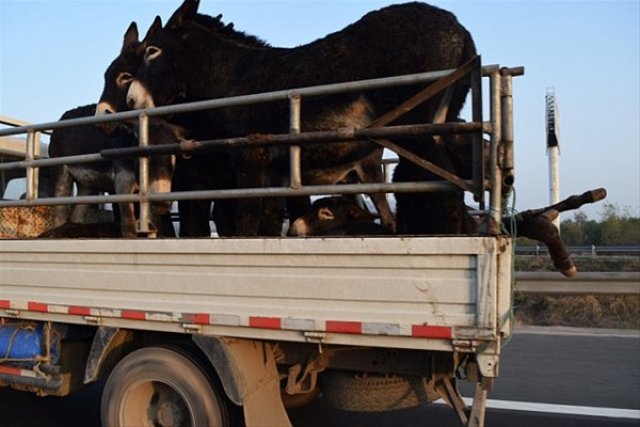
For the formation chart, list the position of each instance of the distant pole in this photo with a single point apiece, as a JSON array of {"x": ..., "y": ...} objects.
[{"x": 553, "y": 148}]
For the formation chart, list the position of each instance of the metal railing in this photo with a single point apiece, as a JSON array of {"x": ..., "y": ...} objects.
[
  {"x": 589, "y": 250},
  {"x": 614, "y": 283},
  {"x": 14, "y": 147},
  {"x": 499, "y": 127}
]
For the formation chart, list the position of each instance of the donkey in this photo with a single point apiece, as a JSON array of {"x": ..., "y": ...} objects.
[
  {"x": 120, "y": 72},
  {"x": 337, "y": 216},
  {"x": 191, "y": 173},
  {"x": 109, "y": 176},
  {"x": 422, "y": 212},
  {"x": 186, "y": 61},
  {"x": 194, "y": 215},
  {"x": 430, "y": 212},
  {"x": 195, "y": 173}
]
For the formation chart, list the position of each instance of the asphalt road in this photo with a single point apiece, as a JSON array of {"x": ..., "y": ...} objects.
[{"x": 556, "y": 376}]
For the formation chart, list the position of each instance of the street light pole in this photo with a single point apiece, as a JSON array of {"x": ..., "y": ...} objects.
[{"x": 553, "y": 148}]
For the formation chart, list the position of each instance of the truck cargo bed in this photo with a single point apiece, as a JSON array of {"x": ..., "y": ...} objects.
[{"x": 404, "y": 292}]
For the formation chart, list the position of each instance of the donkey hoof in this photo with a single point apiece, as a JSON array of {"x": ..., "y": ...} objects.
[{"x": 570, "y": 272}]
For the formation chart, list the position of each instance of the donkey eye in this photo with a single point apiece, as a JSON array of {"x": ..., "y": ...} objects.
[
  {"x": 151, "y": 53},
  {"x": 124, "y": 78}
]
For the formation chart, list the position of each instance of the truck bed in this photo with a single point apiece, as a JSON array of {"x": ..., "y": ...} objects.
[{"x": 401, "y": 292}]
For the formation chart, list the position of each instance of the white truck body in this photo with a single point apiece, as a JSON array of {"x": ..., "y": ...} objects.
[{"x": 419, "y": 293}]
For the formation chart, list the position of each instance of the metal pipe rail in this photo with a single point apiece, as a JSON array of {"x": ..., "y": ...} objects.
[
  {"x": 307, "y": 190},
  {"x": 235, "y": 101},
  {"x": 286, "y": 139},
  {"x": 295, "y": 137},
  {"x": 601, "y": 283}
]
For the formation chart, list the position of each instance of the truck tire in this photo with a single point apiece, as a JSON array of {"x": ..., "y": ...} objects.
[
  {"x": 162, "y": 386},
  {"x": 374, "y": 393}
]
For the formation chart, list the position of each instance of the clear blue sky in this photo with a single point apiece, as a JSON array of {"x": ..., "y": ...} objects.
[{"x": 53, "y": 54}]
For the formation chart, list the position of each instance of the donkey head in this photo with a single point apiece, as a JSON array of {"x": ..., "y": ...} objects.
[
  {"x": 329, "y": 213},
  {"x": 165, "y": 67},
  {"x": 120, "y": 73}
]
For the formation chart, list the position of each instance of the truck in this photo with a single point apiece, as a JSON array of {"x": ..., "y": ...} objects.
[{"x": 233, "y": 331}]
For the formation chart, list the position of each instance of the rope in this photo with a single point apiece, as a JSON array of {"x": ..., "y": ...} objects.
[
  {"x": 512, "y": 230},
  {"x": 22, "y": 327}
]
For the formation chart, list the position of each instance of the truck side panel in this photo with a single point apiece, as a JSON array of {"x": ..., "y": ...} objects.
[{"x": 344, "y": 289}]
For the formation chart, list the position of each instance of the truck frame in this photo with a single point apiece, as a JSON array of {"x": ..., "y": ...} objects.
[{"x": 223, "y": 331}]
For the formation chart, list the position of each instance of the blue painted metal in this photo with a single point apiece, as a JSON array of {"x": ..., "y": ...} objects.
[{"x": 28, "y": 343}]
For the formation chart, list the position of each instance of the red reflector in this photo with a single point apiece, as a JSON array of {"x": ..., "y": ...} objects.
[
  {"x": 198, "y": 318},
  {"x": 37, "y": 306},
  {"x": 265, "y": 322},
  {"x": 79, "y": 311},
  {"x": 344, "y": 327},
  {"x": 426, "y": 331},
  {"x": 133, "y": 315},
  {"x": 9, "y": 370}
]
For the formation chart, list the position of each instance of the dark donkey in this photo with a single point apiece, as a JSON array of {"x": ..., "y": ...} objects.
[
  {"x": 337, "y": 216},
  {"x": 212, "y": 170},
  {"x": 109, "y": 176},
  {"x": 192, "y": 173},
  {"x": 188, "y": 62}
]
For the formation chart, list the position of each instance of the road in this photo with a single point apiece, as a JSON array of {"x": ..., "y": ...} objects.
[{"x": 549, "y": 377}]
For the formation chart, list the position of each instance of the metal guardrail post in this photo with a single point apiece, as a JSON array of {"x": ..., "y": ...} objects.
[
  {"x": 143, "y": 226},
  {"x": 31, "y": 171},
  {"x": 600, "y": 283},
  {"x": 295, "y": 180},
  {"x": 593, "y": 251},
  {"x": 495, "y": 204},
  {"x": 506, "y": 160},
  {"x": 478, "y": 163}
]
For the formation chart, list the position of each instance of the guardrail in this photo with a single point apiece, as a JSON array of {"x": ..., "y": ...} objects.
[
  {"x": 610, "y": 283},
  {"x": 592, "y": 250}
]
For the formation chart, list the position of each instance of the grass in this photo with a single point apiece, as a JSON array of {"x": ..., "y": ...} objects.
[{"x": 590, "y": 311}]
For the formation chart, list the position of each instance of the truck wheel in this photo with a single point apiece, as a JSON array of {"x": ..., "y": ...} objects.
[{"x": 162, "y": 387}]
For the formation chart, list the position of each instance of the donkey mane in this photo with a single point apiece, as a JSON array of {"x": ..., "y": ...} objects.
[{"x": 228, "y": 31}]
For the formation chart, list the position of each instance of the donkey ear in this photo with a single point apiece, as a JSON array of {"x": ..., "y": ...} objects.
[
  {"x": 356, "y": 213},
  {"x": 153, "y": 29},
  {"x": 184, "y": 14},
  {"x": 130, "y": 36}
]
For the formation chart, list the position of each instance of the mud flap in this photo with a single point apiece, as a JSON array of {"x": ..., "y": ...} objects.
[{"x": 249, "y": 376}]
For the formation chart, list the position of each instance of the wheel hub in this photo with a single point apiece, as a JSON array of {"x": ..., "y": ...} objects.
[{"x": 169, "y": 415}]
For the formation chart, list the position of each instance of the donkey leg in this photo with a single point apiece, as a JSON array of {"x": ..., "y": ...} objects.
[
  {"x": 80, "y": 213},
  {"x": 541, "y": 228},
  {"x": 252, "y": 166},
  {"x": 440, "y": 115},
  {"x": 125, "y": 183},
  {"x": 370, "y": 170},
  {"x": 194, "y": 218},
  {"x": 224, "y": 216},
  {"x": 570, "y": 203},
  {"x": 63, "y": 187}
]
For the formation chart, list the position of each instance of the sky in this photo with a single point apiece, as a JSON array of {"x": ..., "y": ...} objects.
[{"x": 53, "y": 54}]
